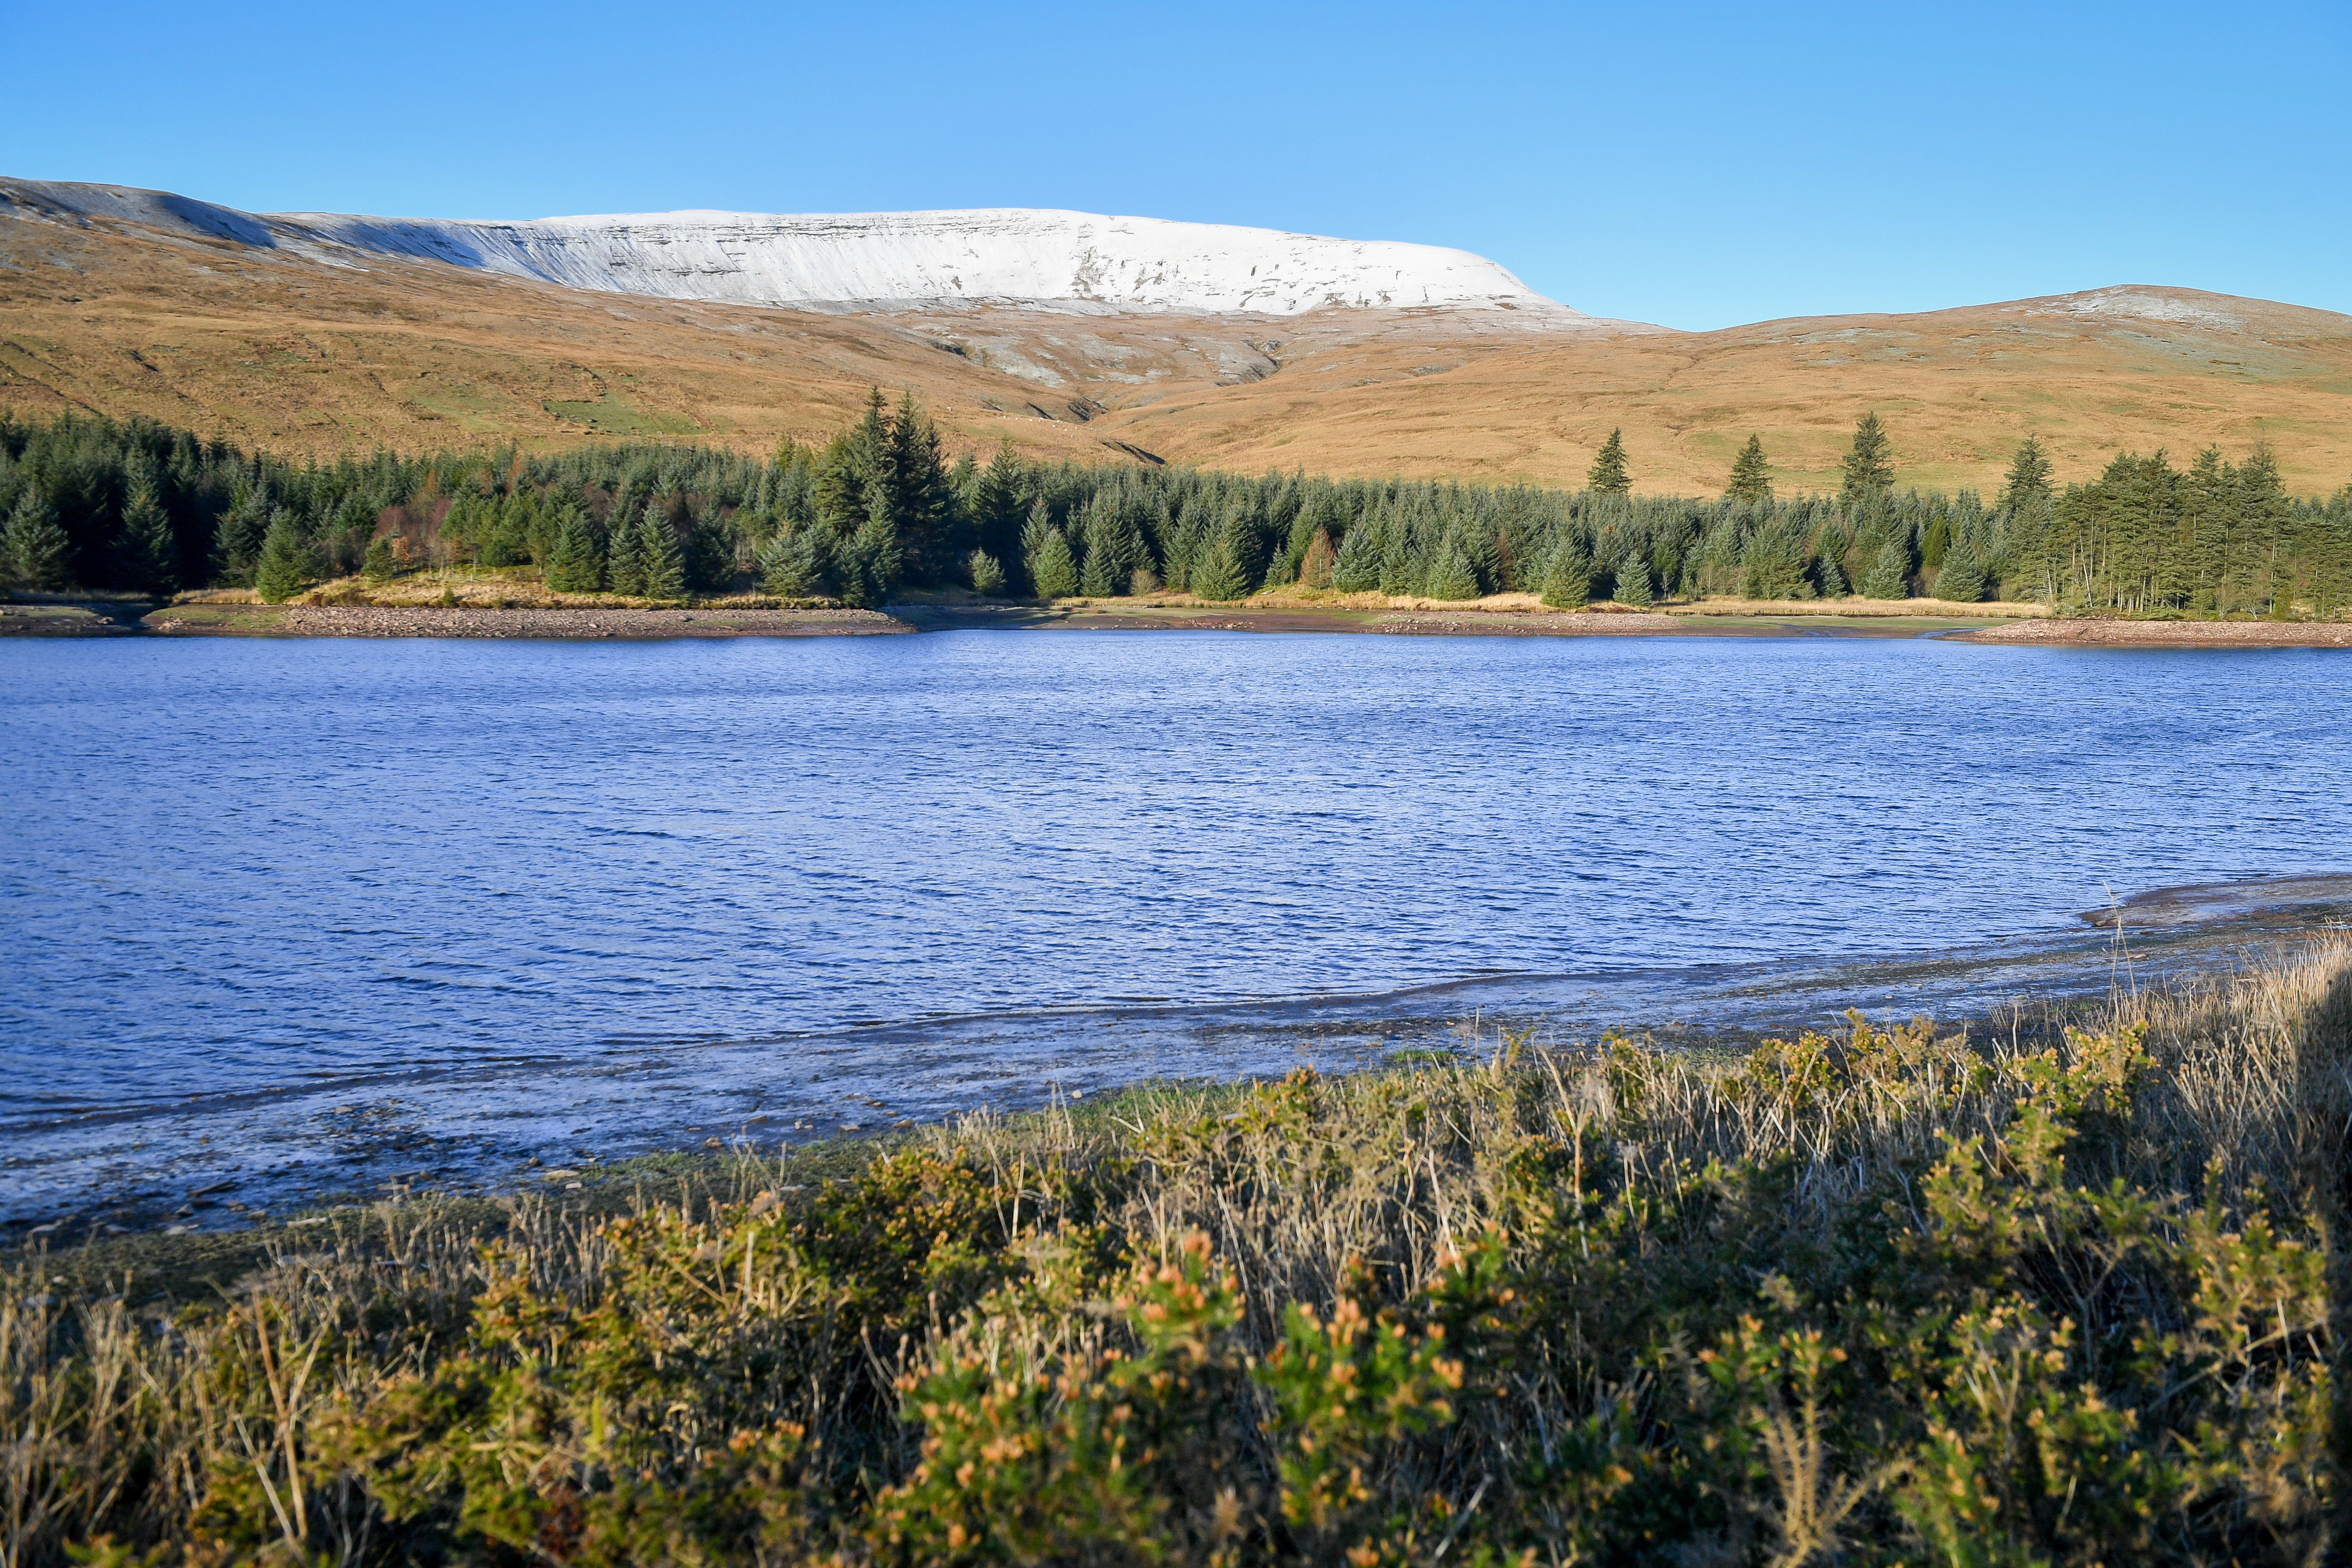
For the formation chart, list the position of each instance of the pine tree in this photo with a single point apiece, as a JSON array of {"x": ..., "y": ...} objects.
[
  {"x": 790, "y": 565},
  {"x": 1869, "y": 465},
  {"x": 1962, "y": 579},
  {"x": 1053, "y": 570},
  {"x": 996, "y": 509},
  {"x": 1890, "y": 572},
  {"x": 665, "y": 566},
  {"x": 625, "y": 561},
  {"x": 987, "y": 576},
  {"x": 1634, "y": 584},
  {"x": 237, "y": 542},
  {"x": 1358, "y": 570},
  {"x": 1751, "y": 476},
  {"x": 1568, "y": 576},
  {"x": 919, "y": 499},
  {"x": 576, "y": 563},
  {"x": 1034, "y": 534},
  {"x": 381, "y": 565},
  {"x": 1608, "y": 476},
  {"x": 35, "y": 543},
  {"x": 1451, "y": 576},
  {"x": 2028, "y": 478},
  {"x": 288, "y": 564},
  {"x": 151, "y": 550}
]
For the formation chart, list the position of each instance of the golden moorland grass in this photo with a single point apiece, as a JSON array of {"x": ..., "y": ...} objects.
[
  {"x": 273, "y": 349},
  {"x": 1885, "y": 1295}
]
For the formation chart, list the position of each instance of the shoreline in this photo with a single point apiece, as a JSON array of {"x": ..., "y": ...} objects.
[{"x": 2008, "y": 625}]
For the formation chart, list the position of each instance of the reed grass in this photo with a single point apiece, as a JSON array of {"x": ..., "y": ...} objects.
[{"x": 1882, "y": 1295}]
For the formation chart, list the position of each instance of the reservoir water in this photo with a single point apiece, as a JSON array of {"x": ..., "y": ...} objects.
[{"x": 315, "y": 916}]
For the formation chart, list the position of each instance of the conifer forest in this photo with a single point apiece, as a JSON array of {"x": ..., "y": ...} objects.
[{"x": 94, "y": 503}]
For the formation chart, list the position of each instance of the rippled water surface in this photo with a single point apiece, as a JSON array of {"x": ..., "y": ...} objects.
[{"x": 601, "y": 884}]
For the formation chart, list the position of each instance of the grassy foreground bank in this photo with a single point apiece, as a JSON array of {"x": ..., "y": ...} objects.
[{"x": 1881, "y": 1296}]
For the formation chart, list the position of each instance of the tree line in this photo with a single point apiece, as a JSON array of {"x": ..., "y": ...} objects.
[{"x": 135, "y": 505}]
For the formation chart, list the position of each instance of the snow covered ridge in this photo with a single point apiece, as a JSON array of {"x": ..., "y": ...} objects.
[{"x": 1006, "y": 257}]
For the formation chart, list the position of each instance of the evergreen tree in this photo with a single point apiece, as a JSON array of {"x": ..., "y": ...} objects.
[
  {"x": 987, "y": 577},
  {"x": 1221, "y": 576},
  {"x": 997, "y": 512},
  {"x": 1357, "y": 569},
  {"x": 1053, "y": 570},
  {"x": 914, "y": 496},
  {"x": 1751, "y": 476},
  {"x": 151, "y": 550},
  {"x": 575, "y": 565},
  {"x": 1608, "y": 475},
  {"x": 1962, "y": 579},
  {"x": 288, "y": 564},
  {"x": 2028, "y": 478},
  {"x": 1568, "y": 576},
  {"x": 1451, "y": 576},
  {"x": 665, "y": 564},
  {"x": 791, "y": 566},
  {"x": 625, "y": 561},
  {"x": 35, "y": 543},
  {"x": 381, "y": 565},
  {"x": 1869, "y": 465},
  {"x": 1889, "y": 574},
  {"x": 237, "y": 542},
  {"x": 1773, "y": 566},
  {"x": 1829, "y": 566},
  {"x": 1634, "y": 584}
]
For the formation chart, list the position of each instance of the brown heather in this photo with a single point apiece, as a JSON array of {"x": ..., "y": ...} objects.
[{"x": 1877, "y": 1297}]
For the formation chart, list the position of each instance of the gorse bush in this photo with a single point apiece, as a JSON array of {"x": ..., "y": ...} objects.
[
  {"x": 1880, "y": 1296},
  {"x": 879, "y": 508}
]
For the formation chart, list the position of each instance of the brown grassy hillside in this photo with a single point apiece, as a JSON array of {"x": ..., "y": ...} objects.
[{"x": 296, "y": 353}]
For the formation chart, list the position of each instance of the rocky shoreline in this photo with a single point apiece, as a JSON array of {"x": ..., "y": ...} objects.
[
  {"x": 580, "y": 624},
  {"x": 2169, "y": 633},
  {"x": 589, "y": 623}
]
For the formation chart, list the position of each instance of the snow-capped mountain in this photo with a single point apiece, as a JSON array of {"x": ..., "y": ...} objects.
[{"x": 1002, "y": 256}]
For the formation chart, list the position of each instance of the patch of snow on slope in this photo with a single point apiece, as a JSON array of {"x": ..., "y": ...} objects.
[
  {"x": 2147, "y": 305},
  {"x": 986, "y": 257}
]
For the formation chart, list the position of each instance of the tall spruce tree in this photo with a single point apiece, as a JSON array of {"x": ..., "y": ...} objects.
[
  {"x": 576, "y": 563},
  {"x": 1869, "y": 464},
  {"x": 2028, "y": 478},
  {"x": 36, "y": 541},
  {"x": 1568, "y": 576},
  {"x": 288, "y": 564},
  {"x": 1608, "y": 475},
  {"x": 151, "y": 550},
  {"x": 665, "y": 564},
  {"x": 1889, "y": 574},
  {"x": 1751, "y": 476},
  {"x": 1633, "y": 583},
  {"x": 1220, "y": 576},
  {"x": 1053, "y": 570},
  {"x": 916, "y": 495},
  {"x": 624, "y": 558}
]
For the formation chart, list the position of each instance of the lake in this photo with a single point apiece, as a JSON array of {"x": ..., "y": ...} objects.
[{"x": 314, "y": 916}]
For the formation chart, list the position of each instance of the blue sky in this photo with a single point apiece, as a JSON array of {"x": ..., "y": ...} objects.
[{"x": 1697, "y": 165}]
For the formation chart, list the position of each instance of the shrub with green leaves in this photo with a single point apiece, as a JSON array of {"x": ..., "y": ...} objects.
[{"x": 1882, "y": 1295}]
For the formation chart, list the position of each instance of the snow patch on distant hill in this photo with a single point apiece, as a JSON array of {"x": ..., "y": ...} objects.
[
  {"x": 985, "y": 256},
  {"x": 839, "y": 261},
  {"x": 2146, "y": 304}
]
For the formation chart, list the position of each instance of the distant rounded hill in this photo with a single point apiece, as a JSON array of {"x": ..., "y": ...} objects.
[
  {"x": 1083, "y": 335},
  {"x": 867, "y": 261}
]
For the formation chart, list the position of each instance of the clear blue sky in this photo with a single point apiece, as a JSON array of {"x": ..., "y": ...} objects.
[{"x": 1698, "y": 166}]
